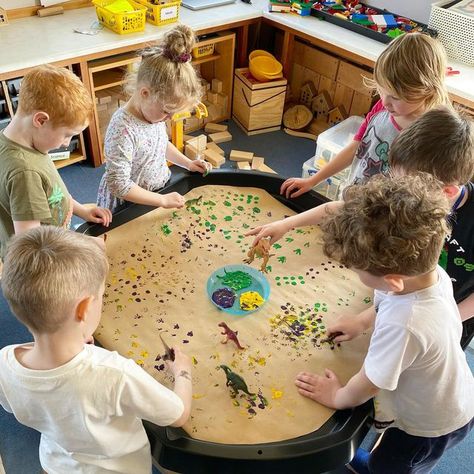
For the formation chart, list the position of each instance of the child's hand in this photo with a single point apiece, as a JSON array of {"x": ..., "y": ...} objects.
[
  {"x": 181, "y": 366},
  {"x": 99, "y": 215},
  {"x": 200, "y": 166},
  {"x": 320, "y": 388},
  {"x": 350, "y": 326},
  {"x": 171, "y": 200},
  {"x": 275, "y": 230},
  {"x": 294, "y": 187}
]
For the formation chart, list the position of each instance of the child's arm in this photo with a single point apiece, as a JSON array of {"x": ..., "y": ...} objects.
[
  {"x": 139, "y": 195},
  {"x": 276, "y": 230},
  {"x": 176, "y": 157},
  {"x": 294, "y": 187},
  {"x": 23, "y": 226},
  {"x": 327, "y": 390},
  {"x": 466, "y": 308},
  {"x": 352, "y": 326},
  {"x": 95, "y": 214}
]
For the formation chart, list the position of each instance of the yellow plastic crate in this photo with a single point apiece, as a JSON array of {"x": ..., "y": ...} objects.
[
  {"x": 121, "y": 23},
  {"x": 161, "y": 14},
  {"x": 206, "y": 50}
]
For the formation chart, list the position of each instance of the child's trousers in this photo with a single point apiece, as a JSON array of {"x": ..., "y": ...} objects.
[{"x": 401, "y": 453}]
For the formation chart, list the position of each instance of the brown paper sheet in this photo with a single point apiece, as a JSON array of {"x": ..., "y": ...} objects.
[{"x": 159, "y": 267}]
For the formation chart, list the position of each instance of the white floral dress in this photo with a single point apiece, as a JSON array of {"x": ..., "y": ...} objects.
[{"x": 135, "y": 153}]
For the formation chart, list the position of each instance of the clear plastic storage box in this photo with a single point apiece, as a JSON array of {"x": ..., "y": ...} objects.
[
  {"x": 334, "y": 139},
  {"x": 329, "y": 187}
]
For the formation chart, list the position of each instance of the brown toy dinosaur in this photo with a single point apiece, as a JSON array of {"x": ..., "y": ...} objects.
[
  {"x": 260, "y": 250},
  {"x": 229, "y": 334}
]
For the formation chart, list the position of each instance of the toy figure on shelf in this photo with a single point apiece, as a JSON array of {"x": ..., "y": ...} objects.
[
  {"x": 230, "y": 335},
  {"x": 235, "y": 382},
  {"x": 260, "y": 250},
  {"x": 193, "y": 202}
]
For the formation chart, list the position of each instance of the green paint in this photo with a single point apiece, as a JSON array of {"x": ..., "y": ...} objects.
[
  {"x": 256, "y": 210},
  {"x": 236, "y": 280},
  {"x": 165, "y": 229},
  {"x": 276, "y": 246},
  {"x": 240, "y": 208},
  {"x": 297, "y": 251},
  {"x": 228, "y": 218},
  {"x": 282, "y": 259},
  {"x": 213, "y": 217},
  {"x": 289, "y": 239},
  {"x": 367, "y": 300},
  {"x": 227, "y": 203},
  {"x": 245, "y": 226}
]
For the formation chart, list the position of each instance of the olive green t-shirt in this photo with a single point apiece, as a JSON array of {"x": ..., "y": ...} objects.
[{"x": 30, "y": 190}]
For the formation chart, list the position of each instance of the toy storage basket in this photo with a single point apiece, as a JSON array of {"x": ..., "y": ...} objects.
[
  {"x": 161, "y": 14},
  {"x": 121, "y": 23},
  {"x": 455, "y": 31},
  {"x": 205, "y": 50}
]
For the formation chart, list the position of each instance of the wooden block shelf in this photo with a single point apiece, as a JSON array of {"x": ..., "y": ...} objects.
[
  {"x": 75, "y": 158},
  {"x": 111, "y": 78}
]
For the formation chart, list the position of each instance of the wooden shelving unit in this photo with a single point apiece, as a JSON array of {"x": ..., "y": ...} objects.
[{"x": 108, "y": 73}]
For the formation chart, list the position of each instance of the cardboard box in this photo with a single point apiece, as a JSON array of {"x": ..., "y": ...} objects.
[{"x": 257, "y": 106}]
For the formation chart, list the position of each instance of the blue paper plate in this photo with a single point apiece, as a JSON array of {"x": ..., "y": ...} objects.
[{"x": 259, "y": 284}]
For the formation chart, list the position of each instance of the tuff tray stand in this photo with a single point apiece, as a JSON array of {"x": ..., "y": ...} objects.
[{"x": 326, "y": 449}]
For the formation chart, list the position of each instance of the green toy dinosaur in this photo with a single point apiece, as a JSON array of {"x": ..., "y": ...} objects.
[
  {"x": 235, "y": 381},
  {"x": 193, "y": 202}
]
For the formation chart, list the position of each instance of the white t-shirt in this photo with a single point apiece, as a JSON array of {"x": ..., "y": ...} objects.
[
  {"x": 416, "y": 360},
  {"x": 88, "y": 411}
]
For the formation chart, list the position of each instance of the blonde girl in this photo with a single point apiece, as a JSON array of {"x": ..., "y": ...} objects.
[
  {"x": 136, "y": 144},
  {"x": 409, "y": 78}
]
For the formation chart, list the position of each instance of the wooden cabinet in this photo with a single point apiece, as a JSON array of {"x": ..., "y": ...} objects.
[
  {"x": 107, "y": 76},
  {"x": 9, "y": 93}
]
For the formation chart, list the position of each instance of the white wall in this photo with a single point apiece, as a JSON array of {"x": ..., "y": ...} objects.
[{"x": 415, "y": 9}]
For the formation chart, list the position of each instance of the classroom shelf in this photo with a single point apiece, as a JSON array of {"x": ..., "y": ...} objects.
[{"x": 75, "y": 157}]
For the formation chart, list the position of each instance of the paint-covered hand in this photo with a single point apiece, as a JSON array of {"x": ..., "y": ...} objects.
[
  {"x": 200, "y": 166},
  {"x": 181, "y": 366},
  {"x": 294, "y": 187},
  {"x": 320, "y": 388},
  {"x": 348, "y": 327},
  {"x": 171, "y": 200},
  {"x": 276, "y": 230},
  {"x": 99, "y": 215}
]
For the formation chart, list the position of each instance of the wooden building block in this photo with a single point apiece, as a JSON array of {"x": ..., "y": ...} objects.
[
  {"x": 214, "y": 112},
  {"x": 191, "y": 152},
  {"x": 343, "y": 96},
  {"x": 318, "y": 126},
  {"x": 243, "y": 165},
  {"x": 257, "y": 162},
  {"x": 315, "y": 60},
  {"x": 237, "y": 155},
  {"x": 216, "y": 148},
  {"x": 222, "y": 99},
  {"x": 201, "y": 142},
  {"x": 191, "y": 123},
  {"x": 336, "y": 115},
  {"x": 308, "y": 93},
  {"x": 103, "y": 97},
  {"x": 216, "y": 85},
  {"x": 215, "y": 127},
  {"x": 361, "y": 104},
  {"x": 187, "y": 138},
  {"x": 214, "y": 158},
  {"x": 220, "y": 137},
  {"x": 212, "y": 97},
  {"x": 353, "y": 77},
  {"x": 328, "y": 85},
  {"x": 266, "y": 169},
  {"x": 321, "y": 104}
]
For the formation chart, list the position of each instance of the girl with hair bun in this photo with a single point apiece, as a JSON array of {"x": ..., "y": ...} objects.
[{"x": 136, "y": 144}]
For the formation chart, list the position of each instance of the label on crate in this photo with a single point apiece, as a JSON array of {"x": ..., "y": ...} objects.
[{"x": 167, "y": 13}]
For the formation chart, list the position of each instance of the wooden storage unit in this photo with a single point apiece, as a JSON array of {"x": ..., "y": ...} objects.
[
  {"x": 107, "y": 76},
  {"x": 258, "y": 106},
  {"x": 8, "y": 104}
]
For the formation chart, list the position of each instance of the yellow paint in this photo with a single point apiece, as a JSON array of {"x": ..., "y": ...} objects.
[
  {"x": 260, "y": 360},
  {"x": 276, "y": 394},
  {"x": 131, "y": 273},
  {"x": 250, "y": 300},
  {"x": 197, "y": 396},
  {"x": 140, "y": 362},
  {"x": 194, "y": 360},
  {"x": 134, "y": 344},
  {"x": 130, "y": 353},
  {"x": 144, "y": 354},
  {"x": 290, "y": 413}
]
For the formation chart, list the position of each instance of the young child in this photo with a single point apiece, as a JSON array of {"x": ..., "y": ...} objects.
[
  {"x": 86, "y": 401},
  {"x": 440, "y": 142},
  {"x": 136, "y": 143},
  {"x": 409, "y": 77},
  {"x": 390, "y": 233},
  {"x": 54, "y": 106}
]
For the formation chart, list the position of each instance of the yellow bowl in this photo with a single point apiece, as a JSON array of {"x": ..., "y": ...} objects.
[
  {"x": 264, "y": 68},
  {"x": 260, "y": 52}
]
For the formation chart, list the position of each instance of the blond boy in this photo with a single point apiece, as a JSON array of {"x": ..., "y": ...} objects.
[
  {"x": 86, "y": 401},
  {"x": 390, "y": 232},
  {"x": 54, "y": 106}
]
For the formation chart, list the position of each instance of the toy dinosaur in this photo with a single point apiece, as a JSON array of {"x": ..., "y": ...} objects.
[
  {"x": 235, "y": 381},
  {"x": 229, "y": 334},
  {"x": 193, "y": 202},
  {"x": 260, "y": 250}
]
